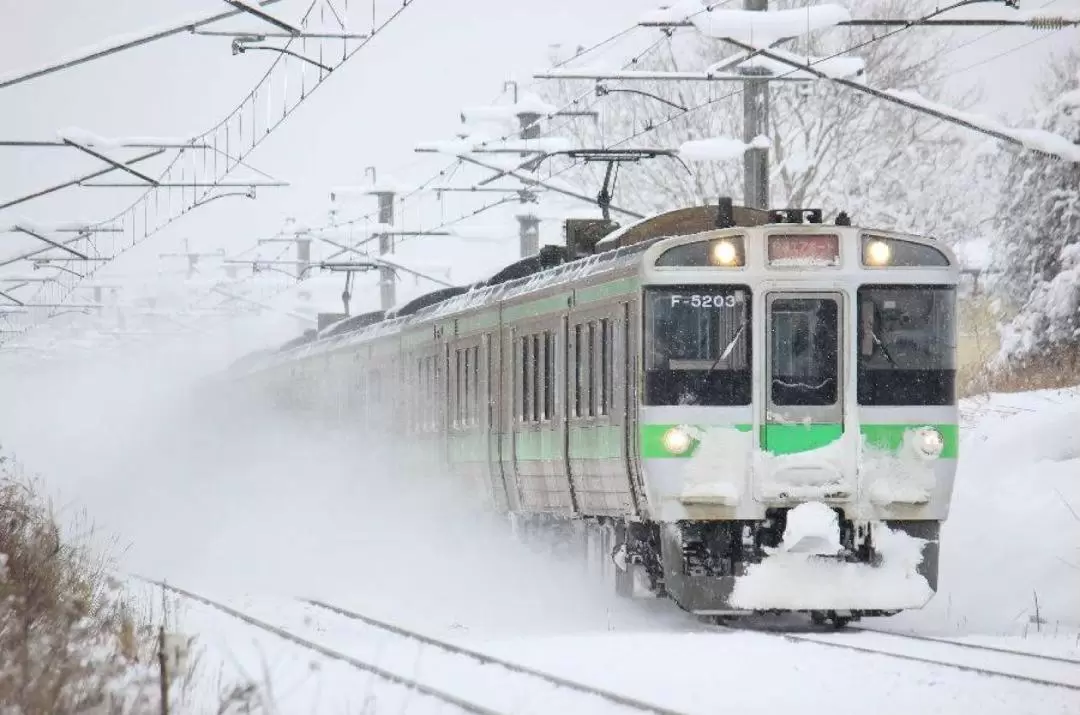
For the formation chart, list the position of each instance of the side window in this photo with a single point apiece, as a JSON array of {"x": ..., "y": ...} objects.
[
  {"x": 579, "y": 374},
  {"x": 466, "y": 413},
  {"x": 549, "y": 375},
  {"x": 605, "y": 366},
  {"x": 527, "y": 376},
  {"x": 475, "y": 385}
]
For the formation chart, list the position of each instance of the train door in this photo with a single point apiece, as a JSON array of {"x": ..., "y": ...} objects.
[
  {"x": 628, "y": 355},
  {"x": 804, "y": 372},
  {"x": 489, "y": 425}
]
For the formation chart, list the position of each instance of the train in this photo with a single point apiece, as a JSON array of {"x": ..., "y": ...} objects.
[{"x": 680, "y": 396}]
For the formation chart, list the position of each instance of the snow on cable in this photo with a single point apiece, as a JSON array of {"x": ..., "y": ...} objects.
[
  {"x": 1036, "y": 139},
  {"x": 88, "y": 138},
  {"x": 764, "y": 27},
  {"x": 720, "y": 148},
  {"x": 833, "y": 67},
  {"x": 680, "y": 11},
  {"x": 478, "y": 142},
  {"x": 528, "y": 103}
]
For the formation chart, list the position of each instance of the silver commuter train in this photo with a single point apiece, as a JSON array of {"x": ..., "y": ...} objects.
[{"x": 669, "y": 392}]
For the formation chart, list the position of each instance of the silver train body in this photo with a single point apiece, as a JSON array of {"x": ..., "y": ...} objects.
[{"x": 671, "y": 396}]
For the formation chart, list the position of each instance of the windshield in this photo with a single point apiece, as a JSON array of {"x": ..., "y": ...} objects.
[
  {"x": 697, "y": 345},
  {"x": 803, "y": 345},
  {"x": 907, "y": 345}
]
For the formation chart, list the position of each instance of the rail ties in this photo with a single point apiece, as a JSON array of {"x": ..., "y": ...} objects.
[
  {"x": 484, "y": 659},
  {"x": 995, "y": 661}
]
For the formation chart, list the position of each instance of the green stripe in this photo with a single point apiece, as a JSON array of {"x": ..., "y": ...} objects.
[
  {"x": 891, "y": 436},
  {"x": 652, "y": 440},
  {"x": 599, "y": 442},
  {"x": 791, "y": 439},
  {"x": 481, "y": 321},
  {"x": 537, "y": 307},
  {"x": 607, "y": 290},
  {"x": 539, "y": 445}
]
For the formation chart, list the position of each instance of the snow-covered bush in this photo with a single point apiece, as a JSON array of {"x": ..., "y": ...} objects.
[
  {"x": 1038, "y": 247},
  {"x": 69, "y": 643},
  {"x": 71, "y": 640}
]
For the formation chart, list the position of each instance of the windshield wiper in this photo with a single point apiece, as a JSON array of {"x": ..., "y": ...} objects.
[
  {"x": 726, "y": 352},
  {"x": 885, "y": 350}
]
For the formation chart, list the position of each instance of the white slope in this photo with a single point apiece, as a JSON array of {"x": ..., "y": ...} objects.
[{"x": 1011, "y": 546}]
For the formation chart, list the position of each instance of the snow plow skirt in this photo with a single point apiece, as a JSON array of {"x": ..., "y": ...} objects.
[{"x": 807, "y": 582}]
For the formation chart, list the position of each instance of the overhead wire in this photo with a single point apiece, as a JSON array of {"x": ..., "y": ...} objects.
[{"x": 685, "y": 112}]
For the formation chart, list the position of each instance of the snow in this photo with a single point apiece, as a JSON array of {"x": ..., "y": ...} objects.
[
  {"x": 812, "y": 474},
  {"x": 478, "y": 142},
  {"x": 1037, "y": 139},
  {"x": 679, "y": 11},
  {"x": 716, "y": 474},
  {"x": 386, "y": 184},
  {"x": 117, "y": 41},
  {"x": 763, "y": 28},
  {"x": 840, "y": 67},
  {"x": 720, "y": 148},
  {"x": 47, "y": 228},
  {"x": 255, "y": 508},
  {"x": 528, "y": 103},
  {"x": 344, "y": 234},
  {"x": 87, "y": 138},
  {"x": 811, "y": 527},
  {"x": 791, "y": 580}
]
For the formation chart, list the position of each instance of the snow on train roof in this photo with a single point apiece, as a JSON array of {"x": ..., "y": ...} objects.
[{"x": 558, "y": 275}]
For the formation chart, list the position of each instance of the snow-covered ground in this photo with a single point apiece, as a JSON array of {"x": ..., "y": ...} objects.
[{"x": 256, "y": 510}]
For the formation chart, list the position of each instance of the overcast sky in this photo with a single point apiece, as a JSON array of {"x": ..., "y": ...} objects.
[{"x": 407, "y": 86}]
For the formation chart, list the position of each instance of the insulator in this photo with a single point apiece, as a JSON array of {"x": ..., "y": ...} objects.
[{"x": 1050, "y": 23}]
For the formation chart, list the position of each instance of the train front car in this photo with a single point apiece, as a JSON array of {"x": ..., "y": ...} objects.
[{"x": 798, "y": 418}]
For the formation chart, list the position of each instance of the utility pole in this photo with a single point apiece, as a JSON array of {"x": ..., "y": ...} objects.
[
  {"x": 387, "y": 287},
  {"x": 528, "y": 222},
  {"x": 529, "y": 234},
  {"x": 755, "y": 123}
]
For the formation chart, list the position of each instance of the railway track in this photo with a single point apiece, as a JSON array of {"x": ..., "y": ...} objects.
[
  {"x": 1045, "y": 670},
  {"x": 467, "y": 687},
  {"x": 614, "y": 700}
]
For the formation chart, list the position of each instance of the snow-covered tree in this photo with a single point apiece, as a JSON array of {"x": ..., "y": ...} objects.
[
  {"x": 831, "y": 146},
  {"x": 1038, "y": 246}
]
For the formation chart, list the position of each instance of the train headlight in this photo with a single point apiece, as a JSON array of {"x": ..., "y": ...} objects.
[
  {"x": 878, "y": 253},
  {"x": 724, "y": 253},
  {"x": 928, "y": 442},
  {"x": 677, "y": 440}
]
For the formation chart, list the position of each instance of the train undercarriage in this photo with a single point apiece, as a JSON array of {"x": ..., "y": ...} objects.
[{"x": 697, "y": 563}]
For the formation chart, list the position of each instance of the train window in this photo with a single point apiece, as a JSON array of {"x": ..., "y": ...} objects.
[
  {"x": 549, "y": 375},
  {"x": 605, "y": 366},
  {"x": 804, "y": 351},
  {"x": 882, "y": 252},
  {"x": 594, "y": 372},
  {"x": 476, "y": 384},
  {"x": 538, "y": 382},
  {"x": 587, "y": 364},
  {"x": 466, "y": 412},
  {"x": 906, "y": 345},
  {"x": 697, "y": 345},
  {"x": 578, "y": 374},
  {"x": 722, "y": 252},
  {"x": 527, "y": 393}
]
